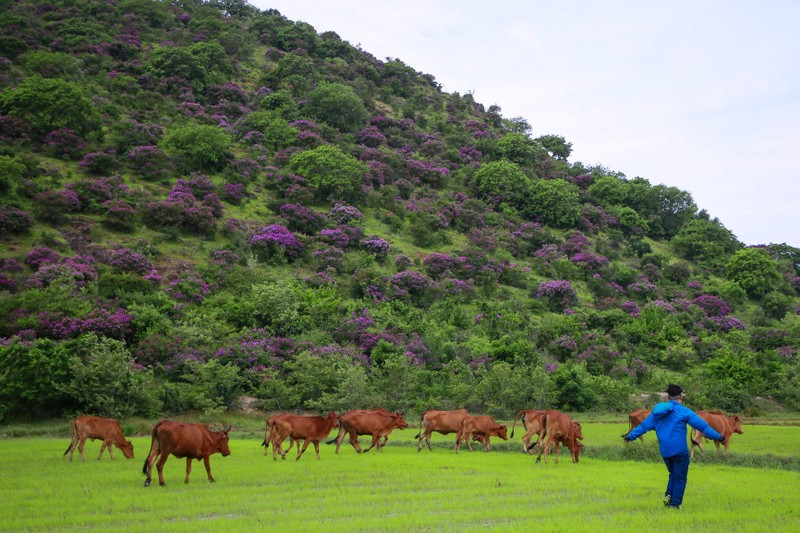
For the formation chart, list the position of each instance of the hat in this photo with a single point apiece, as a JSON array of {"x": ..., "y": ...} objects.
[{"x": 673, "y": 391}]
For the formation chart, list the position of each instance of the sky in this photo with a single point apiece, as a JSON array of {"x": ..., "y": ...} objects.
[{"x": 699, "y": 95}]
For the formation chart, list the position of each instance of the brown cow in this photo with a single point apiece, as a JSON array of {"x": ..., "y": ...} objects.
[
  {"x": 95, "y": 427},
  {"x": 561, "y": 429},
  {"x": 636, "y": 417},
  {"x": 724, "y": 424},
  {"x": 268, "y": 438},
  {"x": 192, "y": 441},
  {"x": 444, "y": 422},
  {"x": 533, "y": 422},
  {"x": 300, "y": 427},
  {"x": 479, "y": 425},
  {"x": 375, "y": 422}
]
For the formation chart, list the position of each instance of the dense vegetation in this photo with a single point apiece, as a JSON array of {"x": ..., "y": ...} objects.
[{"x": 202, "y": 201}]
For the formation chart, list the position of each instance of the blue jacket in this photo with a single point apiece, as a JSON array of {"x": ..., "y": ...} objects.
[{"x": 669, "y": 419}]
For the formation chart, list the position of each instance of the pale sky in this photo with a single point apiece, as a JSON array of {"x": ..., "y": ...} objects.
[{"x": 702, "y": 95}]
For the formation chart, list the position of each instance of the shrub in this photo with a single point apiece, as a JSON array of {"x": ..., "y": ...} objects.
[
  {"x": 13, "y": 220},
  {"x": 149, "y": 161},
  {"x": 65, "y": 143},
  {"x": 197, "y": 146},
  {"x": 559, "y": 294},
  {"x": 302, "y": 219},
  {"x": 276, "y": 241}
]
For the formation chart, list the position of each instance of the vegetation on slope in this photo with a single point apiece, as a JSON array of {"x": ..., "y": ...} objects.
[{"x": 201, "y": 200}]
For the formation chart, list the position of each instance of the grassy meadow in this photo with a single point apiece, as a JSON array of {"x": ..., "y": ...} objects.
[{"x": 399, "y": 489}]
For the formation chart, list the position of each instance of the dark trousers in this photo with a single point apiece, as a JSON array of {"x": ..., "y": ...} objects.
[{"x": 678, "y": 466}]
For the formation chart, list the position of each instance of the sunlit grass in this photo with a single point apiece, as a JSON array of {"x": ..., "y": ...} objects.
[{"x": 399, "y": 489}]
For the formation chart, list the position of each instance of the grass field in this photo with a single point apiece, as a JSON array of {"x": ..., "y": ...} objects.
[{"x": 400, "y": 489}]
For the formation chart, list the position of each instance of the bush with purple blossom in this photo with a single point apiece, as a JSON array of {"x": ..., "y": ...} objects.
[{"x": 275, "y": 242}]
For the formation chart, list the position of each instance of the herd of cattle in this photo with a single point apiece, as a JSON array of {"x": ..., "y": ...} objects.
[{"x": 197, "y": 441}]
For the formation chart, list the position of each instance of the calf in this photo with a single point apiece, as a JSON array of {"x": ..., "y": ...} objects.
[
  {"x": 444, "y": 422},
  {"x": 724, "y": 424},
  {"x": 192, "y": 441},
  {"x": 533, "y": 422},
  {"x": 377, "y": 423},
  {"x": 479, "y": 425},
  {"x": 299, "y": 427},
  {"x": 636, "y": 417},
  {"x": 95, "y": 427},
  {"x": 561, "y": 429}
]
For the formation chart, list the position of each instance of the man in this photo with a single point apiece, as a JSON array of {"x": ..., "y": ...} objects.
[{"x": 669, "y": 419}]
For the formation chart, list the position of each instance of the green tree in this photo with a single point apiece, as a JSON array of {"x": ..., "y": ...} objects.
[
  {"x": 330, "y": 170},
  {"x": 31, "y": 376},
  {"x": 754, "y": 270},
  {"x": 558, "y": 147},
  {"x": 706, "y": 241},
  {"x": 197, "y": 146},
  {"x": 556, "y": 201},
  {"x": 504, "y": 180},
  {"x": 338, "y": 105},
  {"x": 518, "y": 148},
  {"x": 50, "y": 103},
  {"x": 104, "y": 381}
]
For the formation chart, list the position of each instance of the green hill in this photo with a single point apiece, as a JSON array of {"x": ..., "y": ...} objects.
[{"x": 204, "y": 201}]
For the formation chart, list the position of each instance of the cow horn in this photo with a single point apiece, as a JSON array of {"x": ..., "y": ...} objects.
[{"x": 228, "y": 428}]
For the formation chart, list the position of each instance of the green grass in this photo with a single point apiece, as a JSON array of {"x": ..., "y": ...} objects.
[{"x": 399, "y": 489}]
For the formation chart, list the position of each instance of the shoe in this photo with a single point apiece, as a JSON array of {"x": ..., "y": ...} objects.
[
  {"x": 667, "y": 499},
  {"x": 674, "y": 507}
]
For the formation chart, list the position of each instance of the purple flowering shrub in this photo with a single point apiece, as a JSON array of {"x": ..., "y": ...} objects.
[
  {"x": 589, "y": 261},
  {"x": 302, "y": 219},
  {"x": 631, "y": 308},
  {"x": 577, "y": 242},
  {"x": 713, "y": 306},
  {"x": 127, "y": 260},
  {"x": 40, "y": 256},
  {"x": 371, "y": 136},
  {"x": 181, "y": 208},
  {"x": 92, "y": 193},
  {"x": 335, "y": 237},
  {"x": 439, "y": 265},
  {"x": 53, "y": 206},
  {"x": 276, "y": 242},
  {"x": 116, "y": 324},
  {"x": 14, "y": 220},
  {"x": 344, "y": 214},
  {"x": 233, "y": 193},
  {"x": 330, "y": 258},
  {"x": 376, "y": 246},
  {"x": 413, "y": 286},
  {"x": 188, "y": 287},
  {"x": 64, "y": 143},
  {"x": 78, "y": 269},
  {"x": 149, "y": 162},
  {"x": 100, "y": 163},
  {"x": 120, "y": 214},
  {"x": 558, "y": 294}
]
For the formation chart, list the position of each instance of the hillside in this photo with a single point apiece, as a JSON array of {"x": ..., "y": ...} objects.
[{"x": 203, "y": 201}]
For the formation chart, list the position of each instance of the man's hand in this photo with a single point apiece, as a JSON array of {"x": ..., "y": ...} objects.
[
  {"x": 722, "y": 440},
  {"x": 625, "y": 438}
]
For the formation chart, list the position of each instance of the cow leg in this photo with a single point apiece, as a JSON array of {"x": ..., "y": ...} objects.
[
  {"x": 375, "y": 441},
  {"x": 486, "y": 441},
  {"x": 469, "y": 443},
  {"x": 80, "y": 448},
  {"x": 339, "y": 440},
  {"x": 354, "y": 443},
  {"x": 207, "y": 462},
  {"x": 188, "y": 470},
  {"x": 300, "y": 452},
  {"x": 316, "y": 448},
  {"x": 160, "y": 468},
  {"x": 558, "y": 450}
]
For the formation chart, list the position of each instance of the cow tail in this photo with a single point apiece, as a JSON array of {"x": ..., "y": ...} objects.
[
  {"x": 74, "y": 432},
  {"x": 514, "y": 425},
  {"x": 153, "y": 440},
  {"x": 421, "y": 417}
]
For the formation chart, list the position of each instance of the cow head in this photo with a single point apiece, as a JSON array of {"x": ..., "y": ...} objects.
[
  {"x": 502, "y": 432},
  {"x": 333, "y": 418},
  {"x": 574, "y": 444},
  {"x": 222, "y": 437},
  {"x": 736, "y": 424},
  {"x": 399, "y": 421},
  {"x": 127, "y": 449}
]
